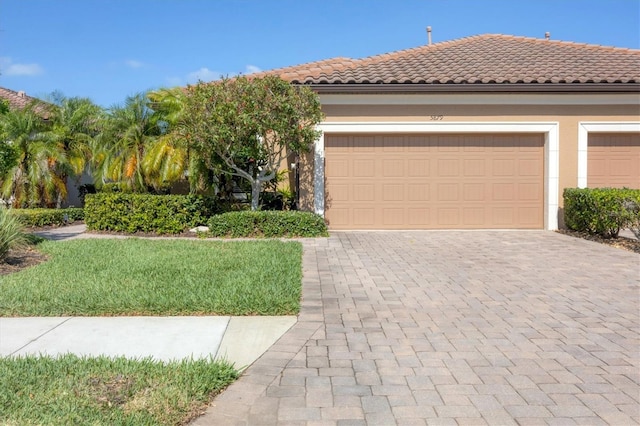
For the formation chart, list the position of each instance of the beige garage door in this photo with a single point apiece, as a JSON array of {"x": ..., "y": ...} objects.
[
  {"x": 613, "y": 160},
  {"x": 434, "y": 181}
]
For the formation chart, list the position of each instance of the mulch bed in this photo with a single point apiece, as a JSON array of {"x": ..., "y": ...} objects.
[
  {"x": 17, "y": 260},
  {"x": 624, "y": 243}
]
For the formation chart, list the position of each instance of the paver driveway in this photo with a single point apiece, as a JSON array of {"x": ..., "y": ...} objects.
[{"x": 414, "y": 328}]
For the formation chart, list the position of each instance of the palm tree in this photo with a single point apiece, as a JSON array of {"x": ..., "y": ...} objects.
[
  {"x": 170, "y": 159},
  {"x": 32, "y": 181},
  {"x": 75, "y": 124},
  {"x": 167, "y": 157},
  {"x": 129, "y": 131}
]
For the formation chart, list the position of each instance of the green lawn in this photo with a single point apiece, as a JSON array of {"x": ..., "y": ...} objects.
[
  {"x": 133, "y": 276},
  {"x": 101, "y": 391}
]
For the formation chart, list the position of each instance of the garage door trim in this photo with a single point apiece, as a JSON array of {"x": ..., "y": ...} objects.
[
  {"x": 548, "y": 129},
  {"x": 584, "y": 128}
]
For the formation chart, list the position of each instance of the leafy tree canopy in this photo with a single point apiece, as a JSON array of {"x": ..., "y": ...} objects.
[{"x": 247, "y": 126}]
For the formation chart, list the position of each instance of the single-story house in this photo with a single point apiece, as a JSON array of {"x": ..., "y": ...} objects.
[{"x": 478, "y": 132}]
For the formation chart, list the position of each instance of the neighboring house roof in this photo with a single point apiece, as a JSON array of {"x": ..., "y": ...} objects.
[
  {"x": 479, "y": 62},
  {"x": 17, "y": 100}
]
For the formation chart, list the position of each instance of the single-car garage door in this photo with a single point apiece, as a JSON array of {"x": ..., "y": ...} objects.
[
  {"x": 613, "y": 160},
  {"x": 434, "y": 181}
]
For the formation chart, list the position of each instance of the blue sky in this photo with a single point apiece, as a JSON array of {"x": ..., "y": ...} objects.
[{"x": 109, "y": 49}]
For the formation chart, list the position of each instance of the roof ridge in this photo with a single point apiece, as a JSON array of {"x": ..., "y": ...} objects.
[
  {"x": 565, "y": 42},
  {"x": 448, "y": 43},
  {"x": 411, "y": 50}
]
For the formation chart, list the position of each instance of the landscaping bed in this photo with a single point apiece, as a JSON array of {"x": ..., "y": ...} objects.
[{"x": 629, "y": 244}]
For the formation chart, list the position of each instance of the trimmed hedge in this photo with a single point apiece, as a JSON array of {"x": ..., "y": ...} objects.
[
  {"x": 131, "y": 213},
  {"x": 602, "y": 211},
  {"x": 34, "y": 218},
  {"x": 269, "y": 224}
]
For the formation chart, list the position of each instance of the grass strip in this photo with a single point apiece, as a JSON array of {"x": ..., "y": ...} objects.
[
  {"x": 107, "y": 391},
  {"x": 103, "y": 277}
]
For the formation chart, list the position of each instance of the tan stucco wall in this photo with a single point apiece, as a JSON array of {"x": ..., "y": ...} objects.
[{"x": 567, "y": 116}]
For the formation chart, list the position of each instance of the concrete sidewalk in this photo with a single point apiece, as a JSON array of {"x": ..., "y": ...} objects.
[{"x": 240, "y": 340}]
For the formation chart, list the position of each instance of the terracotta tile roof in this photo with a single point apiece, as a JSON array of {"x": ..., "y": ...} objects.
[
  {"x": 17, "y": 100},
  {"x": 489, "y": 58}
]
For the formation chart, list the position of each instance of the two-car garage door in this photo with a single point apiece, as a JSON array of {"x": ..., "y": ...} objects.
[{"x": 434, "y": 181}]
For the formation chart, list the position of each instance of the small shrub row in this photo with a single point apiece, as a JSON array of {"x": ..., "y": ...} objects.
[
  {"x": 131, "y": 213},
  {"x": 34, "y": 218},
  {"x": 267, "y": 224},
  {"x": 602, "y": 211}
]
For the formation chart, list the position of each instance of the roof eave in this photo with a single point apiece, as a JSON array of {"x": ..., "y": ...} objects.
[{"x": 411, "y": 88}]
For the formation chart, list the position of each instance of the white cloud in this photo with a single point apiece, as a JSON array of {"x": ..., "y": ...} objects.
[
  {"x": 203, "y": 74},
  {"x": 9, "y": 68},
  {"x": 252, "y": 69},
  {"x": 132, "y": 63}
]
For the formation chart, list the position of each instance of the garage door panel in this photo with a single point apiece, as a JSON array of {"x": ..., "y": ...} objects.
[
  {"x": 338, "y": 168},
  {"x": 393, "y": 192},
  {"x": 340, "y": 217},
  {"x": 363, "y": 168},
  {"x": 474, "y": 167},
  {"x": 529, "y": 192},
  {"x": 363, "y": 144},
  {"x": 448, "y": 217},
  {"x": 473, "y": 217},
  {"x": 393, "y": 217},
  {"x": 529, "y": 167},
  {"x": 391, "y": 144},
  {"x": 448, "y": 192},
  {"x": 528, "y": 216},
  {"x": 504, "y": 216},
  {"x": 416, "y": 144},
  {"x": 434, "y": 181},
  {"x": 503, "y": 192},
  {"x": 613, "y": 160},
  {"x": 448, "y": 167},
  {"x": 364, "y": 216},
  {"x": 340, "y": 192},
  {"x": 363, "y": 192},
  {"x": 418, "y": 167},
  {"x": 474, "y": 192},
  {"x": 418, "y": 192},
  {"x": 393, "y": 168},
  {"x": 417, "y": 216},
  {"x": 504, "y": 167},
  {"x": 621, "y": 167}
]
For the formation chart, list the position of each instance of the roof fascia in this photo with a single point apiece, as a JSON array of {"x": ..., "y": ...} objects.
[
  {"x": 480, "y": 99},
  {"x": 410, "y": 88}
]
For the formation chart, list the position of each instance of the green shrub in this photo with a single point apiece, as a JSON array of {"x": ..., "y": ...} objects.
[
  {"x": 160, "y": 214},
  {"x": 11, "y": 233},
  {"x": 602, "y": 211},
  {"x": 34, "y": 218},
  {"x": 268, "y": 224}
]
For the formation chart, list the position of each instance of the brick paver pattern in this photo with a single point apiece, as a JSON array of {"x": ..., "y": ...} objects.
[{"x": 486, "y": 327}]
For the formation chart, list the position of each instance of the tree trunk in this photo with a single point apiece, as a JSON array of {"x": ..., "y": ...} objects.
[{"x": 256, "y": 185}]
